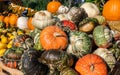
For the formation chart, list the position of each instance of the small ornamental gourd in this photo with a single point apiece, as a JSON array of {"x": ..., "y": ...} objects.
[
  {"x": 76, "y": 14},
  {"x": 67, "y": 25},
  {"x": 24, "y": 41},
  {"x": 22, "y": 22},
  {"x": 80, "y": 44},
  {"x": 102, "y": 36},
  {"x": 53, "y": 37},
  {"x": 57, "y": 59},
  {"x": 91, "y": 64},
  {"x": 42, "y": 19},
  {"x": 30, "y": 26},
  {"x": 53, "y": 6},
  {"x": 30, "y": 64},
  {"x": 62, "y": 9},
  {"x": 90, "y": 8},
  {"x": 107, "y": 56},
  {"x": 87, "y": 25},
  {"x": 35, "y": 34},
  {"x": 13, "y": 20},
  {"x": 12, "y": 57}
]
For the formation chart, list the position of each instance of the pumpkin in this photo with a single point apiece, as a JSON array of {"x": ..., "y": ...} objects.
[
  {"x": 90, "y": 8},
  {"x": 102, "y": 36},
  {"x": 24, "y": 41},
  {"x": 62, "y": 9},
  {"x": 6, "y": 21},
  {"x": 22, "y": 22},
  {"x": 30, "y": 26},
  {"x": 30, "y": 64},
  {"x": 106, "y": 55},
  {"x": 80, "y": 44},
  {"x": 42, "y": 19},
  {"x": 53, "y": 6},
  {"x": 56, "y": 59},
  {"x": 53, "y": 37},
  {"x": 1, "y": 17},
  {"x": 13, "y": 20},
  {"x": 111, "y": 10},
  {"x": 91, "y": 64}
]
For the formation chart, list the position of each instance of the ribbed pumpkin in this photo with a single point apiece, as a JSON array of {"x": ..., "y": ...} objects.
[
  {"x": 30, "y": 26},
  {"x": 53, "y": 37},
  {"x": 111, "y": 10},
  {"x": 53, "y": 6},
  {"x": 13, "y": 20},
  {"x": 6, "y": 20},
  {"x": 91, "y": 64}
]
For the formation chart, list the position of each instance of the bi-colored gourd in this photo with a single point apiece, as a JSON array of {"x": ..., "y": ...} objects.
[
  {"x": 107, "y": 56},
  {"x": 80, "y": 44},
  {"x": 102, "y": 36}
]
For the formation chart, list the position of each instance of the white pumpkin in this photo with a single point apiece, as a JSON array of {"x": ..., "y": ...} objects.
[
  {"x": 90, "y": 8},
  {"x": 22, "y": 22},
  {"x": 62, "y": 9},
  {"x": 42, "y": 19}
]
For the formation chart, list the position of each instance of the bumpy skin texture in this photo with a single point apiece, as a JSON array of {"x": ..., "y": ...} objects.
[
  {"x": 102, "y": 36},
  {"x": 31, "y": 65},
  {"x": 80, "y": 43},
  {"x": 56, "y": 60},
  {"x": 24, "y": 41}
]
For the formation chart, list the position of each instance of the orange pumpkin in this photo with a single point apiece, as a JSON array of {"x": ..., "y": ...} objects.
[
  {"x": 53, "y": 6},
  {"x": 13, "y": 20},
  {"x": 30, "y": 26},
  {"x": 52, "y": 37},
  {"x": 111, "y": 10},
  {"x": 91, "y": 64},
  {"x": 1, "y": 17},
  {"x": 6, "y": 20}
]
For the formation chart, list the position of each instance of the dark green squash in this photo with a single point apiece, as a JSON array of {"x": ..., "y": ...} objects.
[
  {"x": 56, "y": 60},
  {"x": 30, "y": 64}
]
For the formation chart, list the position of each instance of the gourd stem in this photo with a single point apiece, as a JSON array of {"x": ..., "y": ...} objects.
[{"x": 92, "y": 67}]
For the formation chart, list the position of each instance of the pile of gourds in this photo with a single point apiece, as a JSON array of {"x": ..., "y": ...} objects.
[{"x": 62, "y": 40}]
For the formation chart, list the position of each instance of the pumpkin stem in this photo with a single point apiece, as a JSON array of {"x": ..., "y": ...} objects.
[
  {"x": 92, "y": 67},
  {"x": 56, "y": 34}
]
